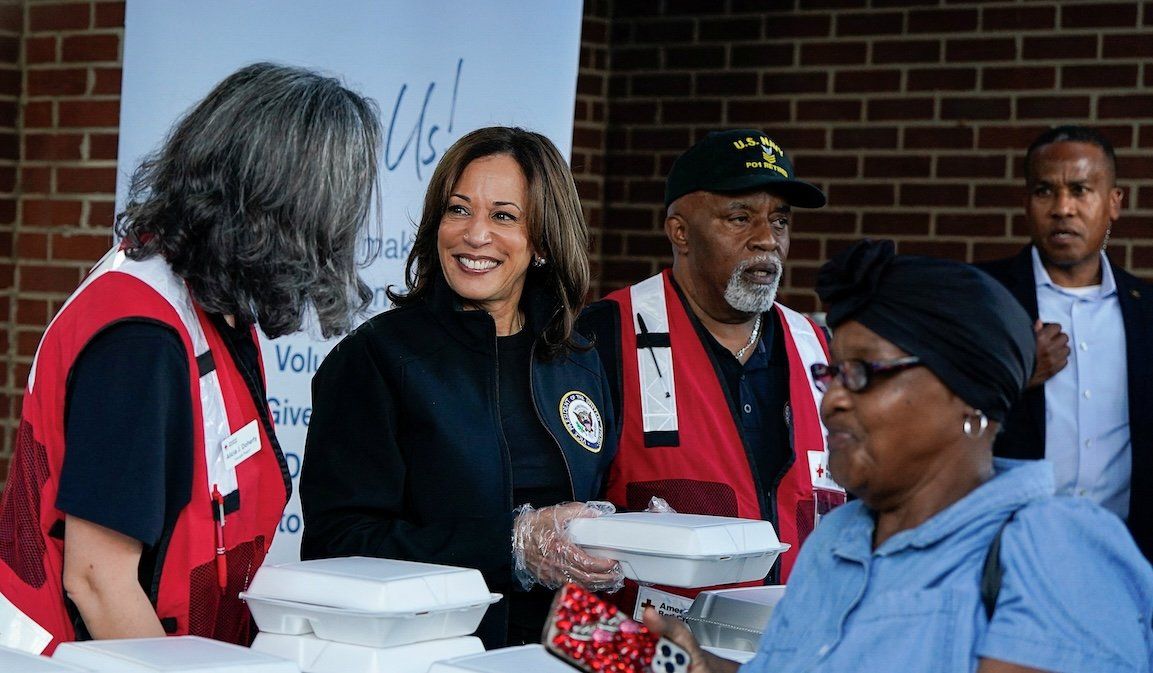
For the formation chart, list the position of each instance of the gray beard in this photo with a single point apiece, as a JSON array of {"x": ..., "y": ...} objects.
[{"x": 750, "y": 297}]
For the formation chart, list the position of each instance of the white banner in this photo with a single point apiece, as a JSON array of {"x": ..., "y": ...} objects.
[{"x": 437, "y": 69}]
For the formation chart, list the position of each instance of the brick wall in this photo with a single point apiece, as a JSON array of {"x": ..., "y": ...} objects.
[{"x": 912, "y": 114}]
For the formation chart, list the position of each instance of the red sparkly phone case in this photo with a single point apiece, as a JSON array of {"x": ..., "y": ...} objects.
[{"x": 595, "y": 636}]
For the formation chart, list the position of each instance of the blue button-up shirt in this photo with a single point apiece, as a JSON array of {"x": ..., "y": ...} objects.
[
  {"x": 1087, "y": 402},
  {"x": 1076, "y": 593}
]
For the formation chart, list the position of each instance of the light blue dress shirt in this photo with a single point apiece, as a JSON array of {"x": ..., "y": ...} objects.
[
  {"x": 1087, "y": 402},
  {"x": 1076, "y": 593}
]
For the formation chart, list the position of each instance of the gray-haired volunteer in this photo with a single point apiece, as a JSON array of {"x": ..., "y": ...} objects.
[{"x": 434, "y": 420}]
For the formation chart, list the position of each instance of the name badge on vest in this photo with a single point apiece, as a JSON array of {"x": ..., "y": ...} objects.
[
  {"x": 241, "y": 445},
  {"x": 582, "y": 419}
]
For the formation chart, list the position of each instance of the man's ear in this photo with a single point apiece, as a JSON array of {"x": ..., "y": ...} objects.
[
  {"x": 676, "y": 228},
  {"x": 1116, "y": 195}
]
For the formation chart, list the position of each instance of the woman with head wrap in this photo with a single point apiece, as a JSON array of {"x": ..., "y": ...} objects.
[{"x": 948, "y": 560}]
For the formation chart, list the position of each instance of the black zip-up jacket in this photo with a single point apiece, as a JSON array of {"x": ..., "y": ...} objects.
[{"x": 405, "y": 456}]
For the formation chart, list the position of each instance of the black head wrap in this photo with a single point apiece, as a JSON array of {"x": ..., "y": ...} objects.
[{"x": 963, "y": 324}]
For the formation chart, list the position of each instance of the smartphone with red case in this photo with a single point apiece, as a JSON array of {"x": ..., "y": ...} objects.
[{"x": 595, "y": 636}]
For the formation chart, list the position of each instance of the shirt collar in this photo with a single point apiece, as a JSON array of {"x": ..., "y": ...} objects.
[
  {"x": 1015, "y": 483},
  {"x": 1041, "y": 276}
]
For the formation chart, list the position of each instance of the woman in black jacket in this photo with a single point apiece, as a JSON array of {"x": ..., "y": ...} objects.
[{"x": 432, "y": 422}]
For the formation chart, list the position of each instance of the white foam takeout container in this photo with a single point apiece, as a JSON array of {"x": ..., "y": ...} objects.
[
  {"x": 314, "y": 655},
  {"x": 520, "y": 659},
  {"x": 368, "y": 601},
  {"x": 733, "y": 619},
  {"x": 174, "y": 654},
  {"x": 25, "y": 662},
  {"x": 681, "y": 550}
]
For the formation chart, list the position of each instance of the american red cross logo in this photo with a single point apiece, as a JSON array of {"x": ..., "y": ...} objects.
[
  {"x": 820, "y": 471},
  {"x": 648, "y": 604}
]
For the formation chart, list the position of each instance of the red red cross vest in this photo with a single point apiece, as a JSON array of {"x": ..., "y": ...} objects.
[
  {"x": 187, "y": 590},
  {"x": 679, "y": 440}
]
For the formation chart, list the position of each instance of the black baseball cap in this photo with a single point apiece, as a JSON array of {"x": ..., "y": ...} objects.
[{"x": 739, "y": 161}]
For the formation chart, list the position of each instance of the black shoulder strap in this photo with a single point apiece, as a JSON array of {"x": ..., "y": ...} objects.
[{"x": 991, "y": 574}]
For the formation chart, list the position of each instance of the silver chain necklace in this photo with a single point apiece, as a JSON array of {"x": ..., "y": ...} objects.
[{"x": 752, "y": 338}]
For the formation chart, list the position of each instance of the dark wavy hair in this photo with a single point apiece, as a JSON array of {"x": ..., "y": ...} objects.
[
  {"x": 259, "y": 196},
  {"x": 556, "y": 224}
]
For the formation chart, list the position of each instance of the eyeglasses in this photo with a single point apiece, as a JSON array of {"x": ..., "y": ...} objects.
[{"x": 856, "y": 375}]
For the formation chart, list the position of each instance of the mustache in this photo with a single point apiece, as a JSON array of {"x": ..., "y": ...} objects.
[{"x": 772, "y": 263}]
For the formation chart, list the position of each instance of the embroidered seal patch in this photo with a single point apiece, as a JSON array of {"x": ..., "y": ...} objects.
[{"x": 582, "y": 419}]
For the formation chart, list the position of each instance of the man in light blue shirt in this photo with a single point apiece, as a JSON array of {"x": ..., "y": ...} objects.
[{"x": 1089, "y": 406}]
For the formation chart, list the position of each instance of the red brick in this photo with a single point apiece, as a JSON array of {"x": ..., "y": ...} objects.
[
  {"x": 900, "y": 108},
  {"x": 729, "y": 30},
  {"x": 632, "y": 112},
  {"x": 981, "y": 49},
  {"x": 774, "y": 54},
  {"x": 940, "y": 249},
  {"x": 59, "y": 16},
  {"x": 40, "y": 50},
  {"x": 46, "y": 147},
  {"x": 1018, "y": 78},
  {"x": 949, "y": 224},
  {"x": 1136, "y": 106},
  {"x": 631, "y": 219},
  {"x": 662, "y": 85},
  {"x": 10, "y": 81},
  {"x": 998, "y": 196},
  {"x": 975, "y": 108},
  {"x": 107, "y": 81},
  {"x": 840, "y": 52},
  {"x": 792, "y": 26},
  {"x": 804, "y": 302},
  {"x": 685, "y": 111},
  {"x": 1099, "y": 15},
  {"x": 1133, "y": 45},
  {"x": 111, "y": 15},
  {"x": 828, "y": 221},
  {"x": 39, "y": 213},
  {"x": 35, "y": 179},
  {"x": 101, "y": 214},
  {"x": 812, "y": 166},
  {"x": 802, "y": 247},
  {"x": 48, "y": 278},
  {"x": 103, "y": 47},
  {"x": 81, "y": 247},
  {"x": 1053, "y": 107},
  {"x": 586, "y": 137},
  {"x": 27, "y": 341},
  {"x": 32, "y": 311},
  {"x": 1018, "y": 18},
  {"x": 897, "y": 166},
  {"x": 942, "y": 21},
  {"x": 653, "y": 244},
  {"x": 829, "y": 109},
  {"x": 621, "y": 272},
  {"x": 877, "y": 137},
  {"x": 860, "y": 81},
  {"x": 970, "y": 166},
  {"x": 938, "y": 137},
  {"x": 31, "y": 245},
  {"x": 727, "y": 84},
  {"x": 647, "y": 191},
  {"x": 9, "y": 49},
  {"x": 942, "y": 79},
  {"x": 7, "y": 181},
  {"x": 757, "y": 112},
  {"x": 801, "y": 137},
  {"x": 1146, "y": 137},
  {"x": 689, "y": 7},
  {"x": 697, "y": 57},
  {"x": 590, "y": 83},
  {"x": 1062, "y": 48},
  {"x": 636, "y": 58},
  {"x": 12, "y": 20},
  {"x": 861, "y": 194},
  {"x": 1114, "y": 75},
  {"x": 779, "y": 83},
  {"x": 9, "y": 146},
  {"x": 1008, "y": 137},
  {"x": 871, "y": 23},
  {"x": 57, "y": 82},
  {"x": 1139, "y": 166},
  {"x": 96, "y": 113},
  {"x": 906, "y": 51},
  {"x": 800, "y": 276},
  {"x": 661, "y": 138},
  {"x": 895, "y": 224},
  {"x": 834, "y": 4},
  {"x": 85, "y": 180},
  {"x": 664, "y": 31},
  {"x": 934, "y": 194}
]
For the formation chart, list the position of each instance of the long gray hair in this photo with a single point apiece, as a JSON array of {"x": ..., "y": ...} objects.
[{"x": 258, "y": 197}]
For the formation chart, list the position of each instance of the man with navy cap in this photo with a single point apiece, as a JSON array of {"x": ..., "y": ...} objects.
[{"x": 719, "y": 415}]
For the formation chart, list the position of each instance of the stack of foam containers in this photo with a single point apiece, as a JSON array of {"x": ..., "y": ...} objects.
[
  {"x": 176, "y": 654},
  {"x": 367, "y": 615},
  {"x": 13, "y": 661}
]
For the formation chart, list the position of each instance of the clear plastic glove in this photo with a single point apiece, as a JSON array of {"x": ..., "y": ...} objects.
[
  {"x": 543, "y": 553},
  {"x": 660, "y": 505}
]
